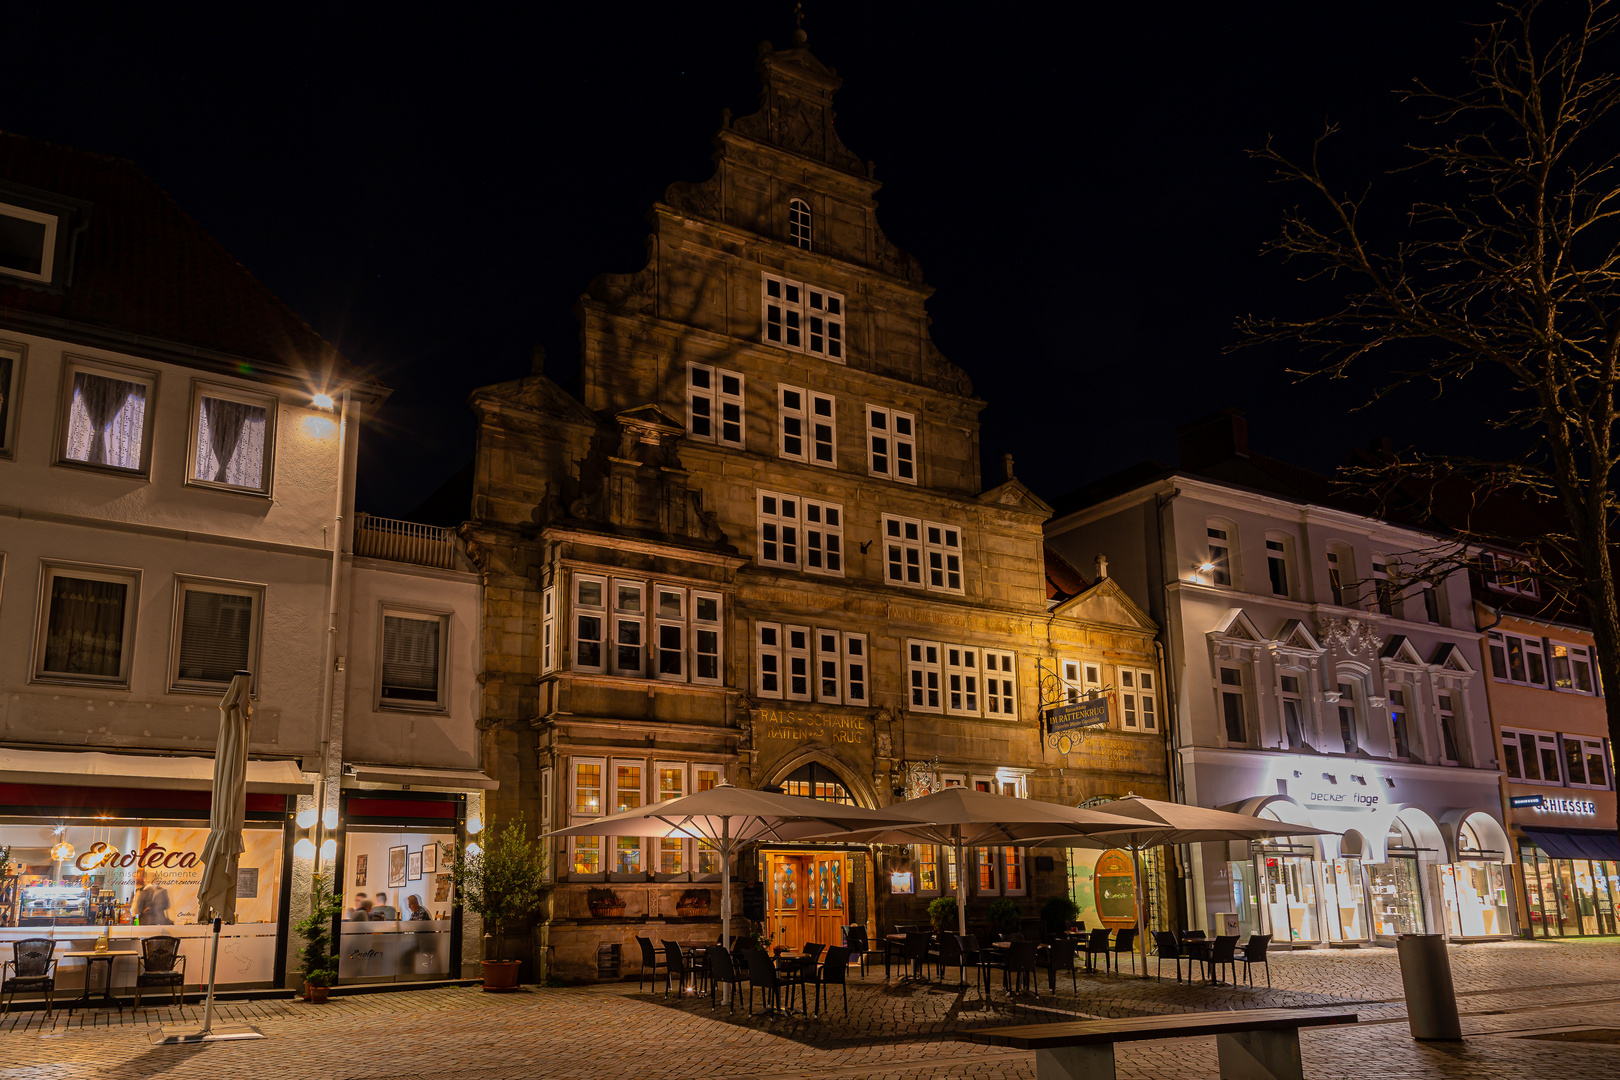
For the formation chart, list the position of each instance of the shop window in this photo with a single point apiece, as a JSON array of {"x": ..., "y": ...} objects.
[
  {"x": 1138, "y": 700},
  {"x": 107, "y": 422},
  {"x": 1585, "y": 764},
  {"x": 714, "y": 405},
  {"x": 1517, "y": 659},
  {"x": 962, "y": 680},
  {"x": 943, "y": 549},
  {"x": 590, "y": 623},
  {"x": 799, "y": 223},
  {"x": 891, "y": 444},
  {"x": 1000, "y": 685},
  {"x": 1446, "y": 703},
  {"x": 903, "y": 551},
  {"x": 1399, "y": 723},
  {"x": 629, "y": 623},
  {"x": 1218, "y": 556},
  {"x": 923, "y": 675},
  {"x": 824, "y": 538},
  {"x": 802, "y": 318},
  {"x": 1572, "y": 668},
  {"x": 707, "y": 634},
  {"x": 1233, "y": 707},
  {"x": 11, "y": 360},
  {"x": 1508, "y": 574},
  {"x": 548, "y": 629},
  {"x": 232, "y": 434},
  {"x": 401, "y": 896},
  {"x": 1277, "y": 545},
  {"x": 87, "y": 624},
  {"x": 1293, "y": 712},
  {"x": 216, "y": 633}
]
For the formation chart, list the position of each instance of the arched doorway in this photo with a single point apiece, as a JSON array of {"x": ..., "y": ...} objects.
[
  {"x": 1412, "y": 843},
  {"x": 811, "y": 895},
  {"x": 1288, "y": 876}
]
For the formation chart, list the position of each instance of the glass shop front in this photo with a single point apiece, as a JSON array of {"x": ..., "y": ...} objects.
[
  {"x": 1572, "y": 889},
  {"x": 400, "y": 919},
  {"x": 86, "y": 862}
]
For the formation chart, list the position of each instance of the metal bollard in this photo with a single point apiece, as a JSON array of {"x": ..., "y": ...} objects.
[{"x": 1431, "y": 999}]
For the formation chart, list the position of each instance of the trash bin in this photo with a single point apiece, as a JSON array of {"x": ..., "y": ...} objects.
[{"x": 1431, "y": 999}]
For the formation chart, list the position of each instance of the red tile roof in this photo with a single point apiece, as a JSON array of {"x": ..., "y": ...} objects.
[
  {"x": 1063, "y": 581},
  {"x": 144, "y": 268}
]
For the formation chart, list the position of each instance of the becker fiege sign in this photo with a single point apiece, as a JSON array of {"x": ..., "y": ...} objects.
[{"x": 1346, "y": 800}]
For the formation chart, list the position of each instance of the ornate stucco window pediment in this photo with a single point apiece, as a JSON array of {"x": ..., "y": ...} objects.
[
  {"x": 1235, "y": 637},
  {"x": 1450, "y": 667},
  {"x": 1295, "y": 646}
]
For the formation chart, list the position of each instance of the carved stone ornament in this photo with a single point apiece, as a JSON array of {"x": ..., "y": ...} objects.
[
  {"x": 885, "y": 746},
  {"x": 1354, "y": 636},
  {"x": 921, "y": 777}
]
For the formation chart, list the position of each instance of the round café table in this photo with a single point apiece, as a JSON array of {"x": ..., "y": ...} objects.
[{"x": 91, "y": 958}]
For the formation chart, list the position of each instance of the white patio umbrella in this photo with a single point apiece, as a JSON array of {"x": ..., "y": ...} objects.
[
  {"x": 1159, "y": 823},
  {"x": 962, "y": 818},
  {"x": 216, "y": 893},
  {"x": 729, "y": 817}
]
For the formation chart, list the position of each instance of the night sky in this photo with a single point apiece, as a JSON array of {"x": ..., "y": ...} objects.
[{"x": 433, "y": 191}]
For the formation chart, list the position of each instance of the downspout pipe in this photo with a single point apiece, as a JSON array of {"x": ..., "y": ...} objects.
[{"x": 329, "y": 652}]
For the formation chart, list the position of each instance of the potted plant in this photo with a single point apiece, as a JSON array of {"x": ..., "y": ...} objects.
[
  {"x": 1058, "y": 914},
  {"x": 319, "y": 961},
  {"x": 942, "y": 912},
  {"x": 503, "y": 882},
  {"x": 604, "y": 903},
  {"x": 1004, "y": 915},
  {"x": 693, "y": 902}
]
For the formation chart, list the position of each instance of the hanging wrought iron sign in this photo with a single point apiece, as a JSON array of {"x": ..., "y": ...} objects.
[{"x": 1068, "y": 714}]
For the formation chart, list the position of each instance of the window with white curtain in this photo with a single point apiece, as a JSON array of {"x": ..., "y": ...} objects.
[
  {"x": 87, "y": 624},
  {"x": 107, "y": 417},
  {"x": 412, "y": 672},
  {"x": 216, "y": 633},
  {"x": 231, "y": 437}
]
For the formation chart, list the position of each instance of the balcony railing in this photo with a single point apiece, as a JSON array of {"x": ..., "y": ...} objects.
[{"x": 404, "y": 541}]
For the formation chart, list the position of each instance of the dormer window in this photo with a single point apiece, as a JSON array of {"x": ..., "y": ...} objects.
[
  {"x": 27, "y": 243},
  {"x": 799, "y": 223}
]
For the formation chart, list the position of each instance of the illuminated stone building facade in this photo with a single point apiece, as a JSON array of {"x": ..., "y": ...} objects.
[{"x": 751, "y": 544}]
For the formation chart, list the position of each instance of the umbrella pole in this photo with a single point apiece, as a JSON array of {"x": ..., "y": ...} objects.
[
  {"x": 213, "y": 966},
  {"x": 961, "y": 885},
  {"x": 725, "y": 897},
  {"x": 1141, "y": 940}
]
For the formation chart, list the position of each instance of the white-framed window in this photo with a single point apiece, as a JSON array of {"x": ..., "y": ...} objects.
[
  {"x": 1446, "y": 709},
  {"x": 706, "y": 778},
  {"x": 1234, "y": 708},
  {"x": 1572, "y": 668},
  {"x": 28, "y": 250},
  {"x": 1349, "y": 722},
  {"x": 107, "y": 421},
  {"x": 548, "y": 629},
  {"x": 670, "y": 776},
  {"x": 923, "y": 675},
  {"x": 11, "y": 372},
  {"x": 942, "y": 545},
  {"x": 1000, "y": 685},
  {"x": 829, "y": 662},
  {"x": 1400, "y": 723},
  {"x": 823, "y": 430},
  {"x": 232, "y": 439},
  {"x": 791, "y": 421},
  {"x": 796, "y": 662},
  {"x": 629, "y": 628},
  {"x": 1516, "y": 658},
  {"x": 1383, "y": 589},
  {"x": 799, "y": 223},
  {"x": 891, "y": 444},
  {"x": 1091, "y": 678},
  {"x": 216, "y": 633},
  {"x": 587, "y": 800},
  {"x": 768, "y": 659},
  {"x": 714, "y": 405},
  {"x": 779, "y": 530},
  {"x": 1531, "y": 756},
  {"x": 414, "y": 660},
  {"x": 1218, "y": 556},
  {"x": 1293, "y": 711},
  {"x": 547, "y": 794},
  {"x": 1508, "y": 574},
  {"x": 1341, "y": 575},
  {"x": 1585, "y": 763},
  {"x": 1073, "y": 685},
  {"x": 627, "y": 795},
  {"x": 590, "y": 623},
  {"x": 708, "y": 636},
  {"x": 824, "y": 538},
  {"x": 803, "y": 318},
  {"x": 1277, "y": 545},
  {"x": 903, "y": 551},
  {"x": 669, "y": 632},
  {"x": 856, "y": 669},
  {"x": 963, "y": 686},
  {"x": 1139, "y": 700},
  {"x": 86, "y": 624}
]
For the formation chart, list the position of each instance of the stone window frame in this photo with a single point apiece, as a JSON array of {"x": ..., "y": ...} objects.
[
  {"x": 884, "y": 443},
  {"x": 803, "y": 318},
  {"x": 578, "y": 610},
  {"x": 716, "y": 398},
  {"x": 1001, "y": 688},
  {"x": 699, "y": 627},
  {"x": 796, "y": 662},
  {"x": 903, "y": 551},
  {"x": 823, "y": 445},
  {"x": 939, "y": 552},
  {"x": 964, "y": 680},
  {"x": 792, "y": 423},
  {"x": 622, "y": 617},
  {"x": 548, "y": 629},
  {"x": 778, "y": 523},
  {"x": 768, "y": 647},
  {"x": 577, "y": 816},
  {"x": 822, "y": 549},
  {"x": 918, "y": 669},
  {"x": 662, "y": 623}
]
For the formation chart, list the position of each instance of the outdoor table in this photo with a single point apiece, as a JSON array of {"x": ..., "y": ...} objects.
[
  {"x": 1041, "y": 949},
  {"x": 697, "y": 958},
  {"x": 802, "y": 963},
  {"x": 1200, "y": 951},
  {"x": 91, "y": 959}
]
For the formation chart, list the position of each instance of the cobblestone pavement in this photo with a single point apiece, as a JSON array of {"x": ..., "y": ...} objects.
[{"x": 1511, "y": 994}]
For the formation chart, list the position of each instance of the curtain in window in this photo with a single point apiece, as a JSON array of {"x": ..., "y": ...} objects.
[
  {"x": 230, "y": 443},
  {"x": 85, "y": 635},
  {"x": 106, "y": 421},
  {"x": 410, "y": 664},
  {"x": 216, "y": 630}
]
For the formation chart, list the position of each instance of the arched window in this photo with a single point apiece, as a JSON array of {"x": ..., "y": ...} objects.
[
  {"x": 799, "y": 223},
  {"x": 817, "y": 782},
  {"x": 1352, "y": 692}
]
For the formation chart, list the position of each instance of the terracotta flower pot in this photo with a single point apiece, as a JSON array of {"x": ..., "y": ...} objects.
[
  {"x": 315, "y": 995},
  {"x": 607, "y": 911},
  {"x": 501, "y": 976}
]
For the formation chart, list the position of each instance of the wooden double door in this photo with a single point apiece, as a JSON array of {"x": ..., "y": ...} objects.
[{"x": 807, "y": 897}]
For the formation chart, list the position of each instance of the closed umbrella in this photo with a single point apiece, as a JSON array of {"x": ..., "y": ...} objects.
[
  {"x": 216, "y": 893},
  {"x": 729, "y": 817},
  {"x": 962, "y": 818},
  {"x": 1159, "y": 823}
]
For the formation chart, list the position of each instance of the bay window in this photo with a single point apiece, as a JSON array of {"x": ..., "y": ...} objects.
[
  {"x": 590, "y": 623},
  {"x": 629, "y": 628},
  {"x": 548, "y": 629},
  {"x": 627, "y": 794},
  {"x": 638, "y": 629},
  {"x": 706, "y": 637}
]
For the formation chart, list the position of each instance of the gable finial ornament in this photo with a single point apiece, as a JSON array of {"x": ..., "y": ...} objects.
[
  {"x": 1351, "y": 634},
  {"x": 799, "y": 36}
]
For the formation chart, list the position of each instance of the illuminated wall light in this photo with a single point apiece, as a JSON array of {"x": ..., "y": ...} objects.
[
  {"x": 474, "y": 849},
  {"x": 329, "y": 819},
  {"x": 306, "y": 818},
  {"x": 322, "y": 401},
  {"x": 304, "y": 849},
  {"x": 475, "y": 824},
  {"x": 328, "y": 849}
]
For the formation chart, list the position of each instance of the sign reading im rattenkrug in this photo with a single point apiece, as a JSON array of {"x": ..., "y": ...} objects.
[{"x": 1077, "y": 715}]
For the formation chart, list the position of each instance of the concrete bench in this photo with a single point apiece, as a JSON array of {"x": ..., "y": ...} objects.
[{"x": 1253, "y": 1044}]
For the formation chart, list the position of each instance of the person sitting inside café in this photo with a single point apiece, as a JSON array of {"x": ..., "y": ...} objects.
[
  {"x": 418, "y": 912},
  {"x": 361, "y": 910},
  {"x": 382, "y": 912}
]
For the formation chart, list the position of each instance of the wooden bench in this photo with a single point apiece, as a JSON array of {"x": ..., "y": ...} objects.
[{"x": 1253, "y": 1044}]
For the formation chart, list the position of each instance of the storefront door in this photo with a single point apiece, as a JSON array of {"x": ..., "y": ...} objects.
[
  {"x": 807, "y": 897},
  {"x": 1603, "y": 880},
  {"x": 1291, "y": 898},
  {"x": 1568, "y": 908},
  {"x": 1542, "y": 885},
  {"x": 1586, "y": 897},
  {"x": 1345, "y": 899}
]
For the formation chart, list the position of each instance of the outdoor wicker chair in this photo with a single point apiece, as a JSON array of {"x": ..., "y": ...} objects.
[
  {"x": 160, "y": 964},
  {"x": 1125, "y": 942},
  {"x": 650, "y": 964},
  {"x": 1168, "y": 949},
  {"x": 31, "y": 967},
  {"x": 722, "y": 972},
  {"x": 1254, "y": 952},
  {"x": 834, "y": 971}
]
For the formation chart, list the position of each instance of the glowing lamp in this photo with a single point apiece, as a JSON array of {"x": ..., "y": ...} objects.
[
  {"x": 474, "y": 849},
  {"x": 62, "y": 851},
  {"x": 328, "y": 849},
  {"x": 329, "y": 818},
  {"x": 322, "y": 401},
  {"x": 1204, "y": 568},
  {"x": 475, "y": 824},
  {"x": 306, "y": 818},
  {"x": 304, "y": 849}
]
